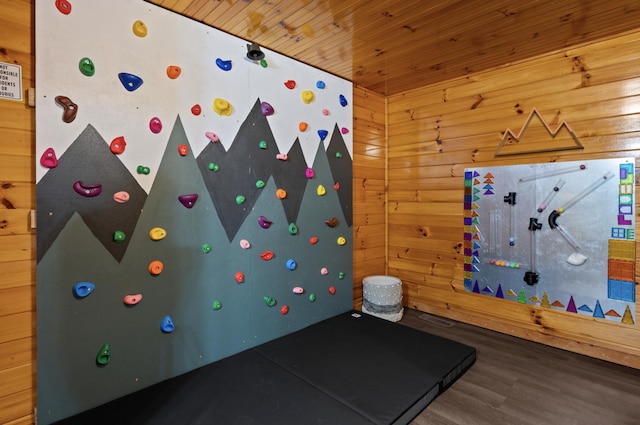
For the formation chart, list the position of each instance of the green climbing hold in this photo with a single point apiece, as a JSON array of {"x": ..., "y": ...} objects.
[
  {"x": 217, "y": 305},
  {"x": 270, "y": 301},
  {"x": 206, "y": 248},
  {"x": 263, "y": 63},
  {"x": 119, "y": 236},
  {"x": 522, "y": 297},
  {"x": 143, "y": 170},
  {"x": 293, "y": 229},
  {"x": 341, "y": 275},
  {"x": 312, "y": 297},
  {"x": 104, "y": 355},
  {"x": 260, "y": 184},
  {"x": 262, "y": 144},
  {"x": 87, "y": 67},
  {"x": 214, "y": 167},
  {"x": 338, "y": 155},
  {"x": 240, "y": 199}
]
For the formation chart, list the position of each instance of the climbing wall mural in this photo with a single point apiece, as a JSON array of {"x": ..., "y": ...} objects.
[
  {"x": 556, "y": 235},
  {"x": 192, "y": 202}
]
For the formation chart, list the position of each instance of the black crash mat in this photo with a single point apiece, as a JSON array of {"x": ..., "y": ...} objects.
[
  {"x": 385, "y": 371},
  {"x": 244, "y": 389}
]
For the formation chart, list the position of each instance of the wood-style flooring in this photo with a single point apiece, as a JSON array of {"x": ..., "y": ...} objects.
[{"x": 519, "y": 382}]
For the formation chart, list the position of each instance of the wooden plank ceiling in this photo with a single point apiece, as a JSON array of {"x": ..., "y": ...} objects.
[{"x": 397, "y": 45}]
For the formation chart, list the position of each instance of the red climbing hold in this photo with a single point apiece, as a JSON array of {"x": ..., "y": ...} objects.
[
  {"x": 63, "y": 6},
  {"x": 284, "y": 309},
  {"x": 267, "y": 255},
  {"x": 196, "y": 109},
  {"x": 332, "y": 290},
  {"x": 117, "y": 145},
  {"x": 239, "y": 277},
  {"x": 290, "y": 84},
  {"x": 183, "y": 149}
]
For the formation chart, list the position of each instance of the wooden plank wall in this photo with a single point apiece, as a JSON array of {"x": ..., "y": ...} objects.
[
  {"x": 17, "y": 239},
  {"x": 369, "y": 188},
  {"x": 436, "y": 131}
]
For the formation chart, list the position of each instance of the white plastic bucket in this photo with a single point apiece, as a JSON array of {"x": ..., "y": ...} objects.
[{"x": 382, "y": 297}]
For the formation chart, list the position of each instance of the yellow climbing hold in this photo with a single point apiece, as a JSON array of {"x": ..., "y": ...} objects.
[
  {"x": 341, "y": 241},
  {"x": 307, "y": 96},
  {"x": 139, "y": 28},
  {"x": 222, "y": 107},
  {"x": 321, "y": 190},
  {"x": 157, "y": 233}
]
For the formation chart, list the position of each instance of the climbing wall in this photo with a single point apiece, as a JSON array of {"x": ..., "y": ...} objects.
[
  {"x": 191, "y": 202},
  {"x": 555, "y": 235}
]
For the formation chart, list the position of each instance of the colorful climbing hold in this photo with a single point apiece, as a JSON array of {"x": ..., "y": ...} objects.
[
  {"x": 344, "y": 130},
  {"x": 121, "y": 197},
  {"x": 155, "y": 125},
  {"x": 87, "y": 190},
  {"x": 82, "y": 289},
  {"x": 307, "y": 96},
  {"x": 324, "y": 271},
  {"x": 260, "y": 184},
  {"x": 320, "y": 84},
  {"x": 132, "y": 299},
  {"x": 332, "y": 290},
  {"x": 217, "y": 305},
  {"x": 196, "y": 109},
  {"x": 87, "y": 67},
  {"x": 323, "y": 134},
  {"x": 49, "y": 158},
  {"x": 281, "y": 193},
  {"x": 326, "y": 112},
  {"x": 141, "y": 169},
  {"x": 338, "y": 155},
  {"x": 293, "y": 229},
  {"x": 167, "y": 325},
  {"x": 332, "y": 222},
  {"x": 298, "y": 290},
  {"x": 156, "y": 267},
  {"x": 206, "y": 248},
  {"x": 157, "y": 234},
  {"x": 188, "y": 200},
  {"x": 240, "y": 199},
  {"x": 284, "y": 309},
  {"x": 173, "y": 71},
  {"x": 266, "y": 109},
  {"x": 239, "y": 277},
  {"x": 63, "y": 6},
  {"x": 263, "y": 222},
  {"x": 183, "y": 149},
  {"x": 341, "y": 275},
  {"x": 139, "y": 28},
  {"x": 312, "y": 297},
  {"x": 129, "y": 81},
  {"x": 270, "y": 301},
  {"x": 119, "y": 236},
  {"x": 224, "y": 65},
  {"x": 70, "y": 109},
  {"x": 213, "y": 167},
  {"x": 343, "y": 100},
  {"x": 336, "y": 186},
  {"x": 118, "y": 145},
  {"x": 104, "y": 355},
  {"x": 302, "y": 126},
  {"x": 263, "y": 63},
  {"x": 222, "y": 107},
  {"x": 309, "y": 173},
  {"x": 341, "y": 241},
  {"x": 290, "y": 84},
  {"x": 321, "y": 191},
  {"x": 212, "y": 136},
  {"x": 262, "y": 144},
  {"x": 313, "y": 240},
  {"x": 282, "y": 156},
  {"x": 267, "y": 255},
  {"x": 291, "y": 264},
  {"x": 245, "y": 244}
]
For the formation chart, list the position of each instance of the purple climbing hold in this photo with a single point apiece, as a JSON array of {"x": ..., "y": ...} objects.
[
  {"x": 267, "y": 109},
  {"x": 188, "y": 200},
  {"x": 129, "y": 81},
  {"x": 323, "y": 134},
  {"x": 224, "y": 65},
  {"x": 263, "y": 222},
  {"x": 87, "y": 190}
]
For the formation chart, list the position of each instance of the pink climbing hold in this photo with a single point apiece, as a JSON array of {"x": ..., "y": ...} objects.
[
  {"x": 282, "y": 156},
  {"x": 212, "y": 136},
  {"x": 324, "y": 271},
  {"x": 49, "y": 159},
  {"x": 155, "y": 125},
  {"x": 325, "y": 112},
  {"x": 121, "y": 197},
  {"x": 344, "y": 130},
  {"x": 267, "y": 109},
  {"x": 309, "y": 173},
  {"x": 132, "y": 299},
  {"x": 245, "y": 244}
]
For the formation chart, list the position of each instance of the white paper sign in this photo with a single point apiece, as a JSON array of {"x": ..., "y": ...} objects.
[{"x": 10, "y": 81}]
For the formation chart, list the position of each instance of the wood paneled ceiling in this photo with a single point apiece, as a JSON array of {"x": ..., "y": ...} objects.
[{"x": 397, "y": 45}]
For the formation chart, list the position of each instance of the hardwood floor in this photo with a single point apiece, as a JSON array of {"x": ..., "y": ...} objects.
[{"x": 519, "y": 382}]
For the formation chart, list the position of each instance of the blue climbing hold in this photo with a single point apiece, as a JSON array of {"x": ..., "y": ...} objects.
[
  {"x": 343, "y": 100},
  {"x": 320, "y": 84},
  {"x": 323, "y": 134},
  {"x": 82, "y": 289},
  {"x": 167, "y": 325},
  {"x": 291, "y": 264},
  {"x": 224, "y": 65},
  {"x": 129, "y": 81}
]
